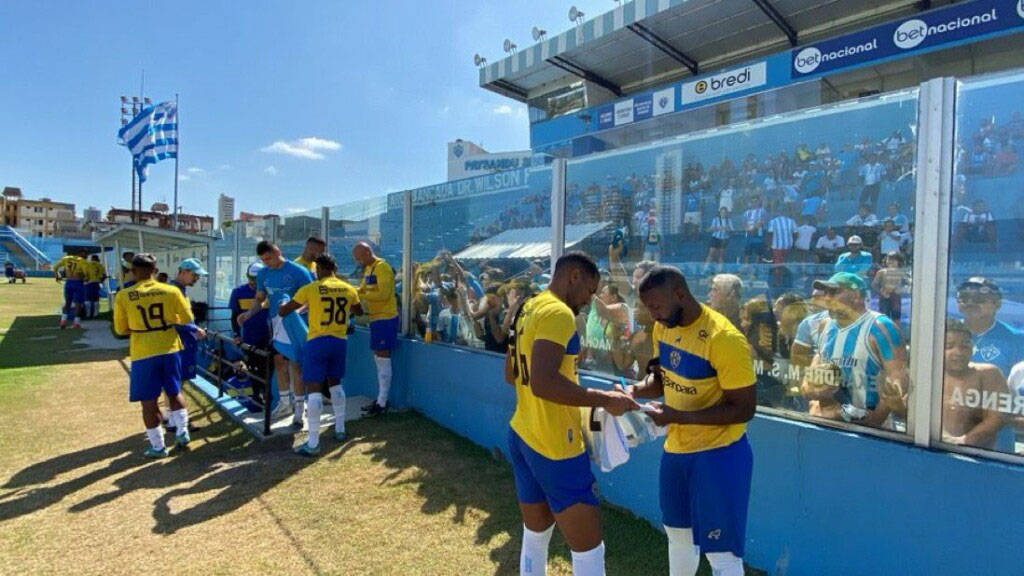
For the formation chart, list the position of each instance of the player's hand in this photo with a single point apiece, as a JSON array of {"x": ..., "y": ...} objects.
[
  {"x": 661, "y": 414},
  {"x": 956, "y": 440},
  {"x": 237, "y": 341},
  {"x": 242, "y": 318},
  {"x": 200, "y": 334},
  {"x": 618, "y": 403},
  {"x": 629, "y": 390}
]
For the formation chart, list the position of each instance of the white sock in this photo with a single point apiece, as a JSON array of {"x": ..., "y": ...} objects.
[
  {"x": 383, "y": 379},
  {"x": 683, "y": 556},
  {"x": 589, "y": 563},
  {"x": 725, "y": 564},
  {"x": 314, "y": 404},
  {"x": 338, "y": 403},
  {"x": 533, "y": 560},
  {"x": 180, "y": 420},
  {"x": 156, "y": 437},
  {"x": 299, "y": 401}
]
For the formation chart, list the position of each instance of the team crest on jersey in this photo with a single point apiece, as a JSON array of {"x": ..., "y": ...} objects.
[
  {"x": 702, "y": 335},
  {"x": 322, "y": 289},
  {"x": 715, "y": 534},
  {"x": 675, "y": 358},
  {"x": 133, "y": 296},
  {"x": 988, "y": 353}
]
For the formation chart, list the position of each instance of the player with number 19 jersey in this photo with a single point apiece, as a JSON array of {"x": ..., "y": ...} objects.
[
  {"x": 149, "y": 311},
  {"x": 330, "y": 303}
]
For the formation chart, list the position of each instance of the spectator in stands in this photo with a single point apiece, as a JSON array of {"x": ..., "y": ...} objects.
[
  {"x": 814, "y": 206},
  {"x": 754, "y": 220},
  {"x": 725, "y": 296},
  {"x": 889, "y": 239},
  {"x": 454, "y": 325},
  {"x": 861, "y": 359},
  {"x": 782, "y": 232},
  {"x": 802, "y": 242},
  {"x": 979, "y": 226},
  {"x": 890, "y": 283},
  {"x": 871, "y": 172},
  {"x": 864, "y": 218},
  {"x": 692, "y": 213},
  {"x": 721, "y": 228},
  {"x": 855, "y": 259},
  {"x": 617, "y": 326},
  {"x": 758, "y": 324},
  {"x": 902, "y": 223},
  {"x": 995, "y": 342},
  {"x": 829, "y": 246},
  {"x": 965, "y": 421},
  {"x": 725, "y": 196}
]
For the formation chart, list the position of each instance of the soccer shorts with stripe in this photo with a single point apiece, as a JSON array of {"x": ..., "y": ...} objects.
[{"x": 560, "y": 483}]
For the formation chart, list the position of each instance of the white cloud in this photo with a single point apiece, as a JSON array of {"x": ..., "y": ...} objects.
[
  {"x": 503, "y": 110},
  {"x": 270, "y": 170},
  {"x": 308, "y": 148},
  {"x": 195, "y": 170},
  {"x": 183, "y": 177}
]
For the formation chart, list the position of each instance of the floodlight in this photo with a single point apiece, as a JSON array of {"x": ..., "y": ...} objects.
[
  {"x": 509, "y": 46},
  {"x": 538, "y": 34},
  {"x": 575, "y": 15},
  {"x": 479, "y": 60}
]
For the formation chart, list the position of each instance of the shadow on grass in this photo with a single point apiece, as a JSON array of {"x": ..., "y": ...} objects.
[
  {"x": 458, "y": 477},
  {"x": 38, "y": 341}
]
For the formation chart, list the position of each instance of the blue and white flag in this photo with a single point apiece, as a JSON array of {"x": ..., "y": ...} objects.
[{"x": 152, "y": 136}]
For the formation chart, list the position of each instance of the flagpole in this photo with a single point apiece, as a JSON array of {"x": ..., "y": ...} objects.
[{"x": 177, "y": 152}]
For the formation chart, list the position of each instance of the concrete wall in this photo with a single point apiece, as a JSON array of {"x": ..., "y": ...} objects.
[{"x": 823, "y": 501}]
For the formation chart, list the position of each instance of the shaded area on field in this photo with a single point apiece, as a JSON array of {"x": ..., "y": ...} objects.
[{"x": 38, "y": 341}]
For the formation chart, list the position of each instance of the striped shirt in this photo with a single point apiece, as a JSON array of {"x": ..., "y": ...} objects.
[
  {"x": 782, "y": 229},
  {"x": 722, "y": 227},
  {"x": 753, "y": 221},
  {"x": 849, "y": 349}
]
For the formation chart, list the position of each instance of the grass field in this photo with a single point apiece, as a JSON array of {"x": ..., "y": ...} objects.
[{"x": 403, "y": 496}]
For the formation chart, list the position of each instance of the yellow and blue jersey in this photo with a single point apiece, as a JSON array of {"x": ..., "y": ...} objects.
[
  {"x": 378, "y": 290},
  {"x": 553, "y": 430},
  {"x": 699, "y": 361},
  {"x": 149, "y": 312},
  {"x": 94, "y": 271},
  {"x": 307, "y": 264},
  {"x": 330, "y": 303},
  {"x": 74, "y": 265}
]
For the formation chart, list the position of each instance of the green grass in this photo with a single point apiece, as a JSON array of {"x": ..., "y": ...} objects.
[{"x": 403, "y": 496}]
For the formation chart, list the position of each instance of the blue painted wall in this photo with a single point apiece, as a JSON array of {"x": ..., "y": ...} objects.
[{"x": 823, "y": 501}]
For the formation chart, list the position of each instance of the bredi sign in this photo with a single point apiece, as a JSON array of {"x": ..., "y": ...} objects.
[
  {"x": 927, "y": 30},
  {"x": 727, "y": 82}
]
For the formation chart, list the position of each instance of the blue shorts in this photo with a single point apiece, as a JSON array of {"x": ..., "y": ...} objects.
[
  {"x": 384, "y": 334},
  {"x": 709, "y": 492},
  {"x": 189, "y": 347},
  {"x": 74, "y": 291},
  {"x": 153, "y": 375},
  {"x": 560, "y": 483},
  {"x": 323, "y": 358},
  {"x": 92, "y": 291}
]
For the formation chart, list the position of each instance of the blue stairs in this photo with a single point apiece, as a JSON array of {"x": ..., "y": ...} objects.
[{"x": 21, "y": 251}]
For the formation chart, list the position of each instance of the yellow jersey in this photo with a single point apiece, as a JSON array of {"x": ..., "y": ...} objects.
[
  {"x": 698, "y": 362},
  {"x": 553, "y": 430},
  {"x": 377, "y": 289},
  {"x": 75, "y": 265},
  {"x": 307, "y": 264},
  {"x": 94, "y": 271},
  {"x": 148, "y": 311},
  {"x": 330, "y": 304}
]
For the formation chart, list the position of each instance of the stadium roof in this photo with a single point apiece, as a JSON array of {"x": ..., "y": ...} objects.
[
  {"x": 645, "y": 43},
  {"x": 527, "y": 243},
  {"x": 149, "y": 239}
]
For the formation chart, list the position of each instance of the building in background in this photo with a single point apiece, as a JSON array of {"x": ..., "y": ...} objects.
[
  {"x": 225, "y": 210},
  {"x": 9, "y": 200},
  {"x": 191, "y": 223},
  {"x": 257, "y": 225},
  {"x": 92, "y": 214},
  {"x": 45, "y": 218}
]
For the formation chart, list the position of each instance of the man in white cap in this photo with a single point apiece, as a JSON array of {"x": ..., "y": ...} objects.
[{"x": 855, "y": 260}]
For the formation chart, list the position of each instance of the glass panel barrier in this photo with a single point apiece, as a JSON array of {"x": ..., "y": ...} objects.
[
  {"x": 376, "y": 221},
  {"x": 481, "y": 246},
  {"x": 295, "y": 229},
  {"x": 754, "y": 215},
  {"x": 983, "y": 373}
]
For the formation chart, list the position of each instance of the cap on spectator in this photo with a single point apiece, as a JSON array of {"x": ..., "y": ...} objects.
[
  {"x": 855, "y": 240},
  {"x": 145, "y": 260},
  {"x": 842, "y": 280},
  {"x": 253, "y": 269},
  {"x": 980, "y": 285},
  {"x": 192, "y": 265}
]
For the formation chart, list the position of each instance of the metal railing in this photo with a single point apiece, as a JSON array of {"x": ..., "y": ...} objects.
[{"x": 221, "y": 341}]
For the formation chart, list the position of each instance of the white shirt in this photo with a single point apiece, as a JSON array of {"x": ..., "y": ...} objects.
[
  {"x": 803, "y": 237},
  {"x": 872, "y": 173},
  {"x": 725, "y": 199},
  {"x": 826, "y": 243},
  {"x": 858, "y": 220},
  {"x": 890, "y": 241}
]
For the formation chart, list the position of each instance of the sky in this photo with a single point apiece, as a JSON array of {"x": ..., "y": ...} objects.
[{"x": 283, "y": 105}]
